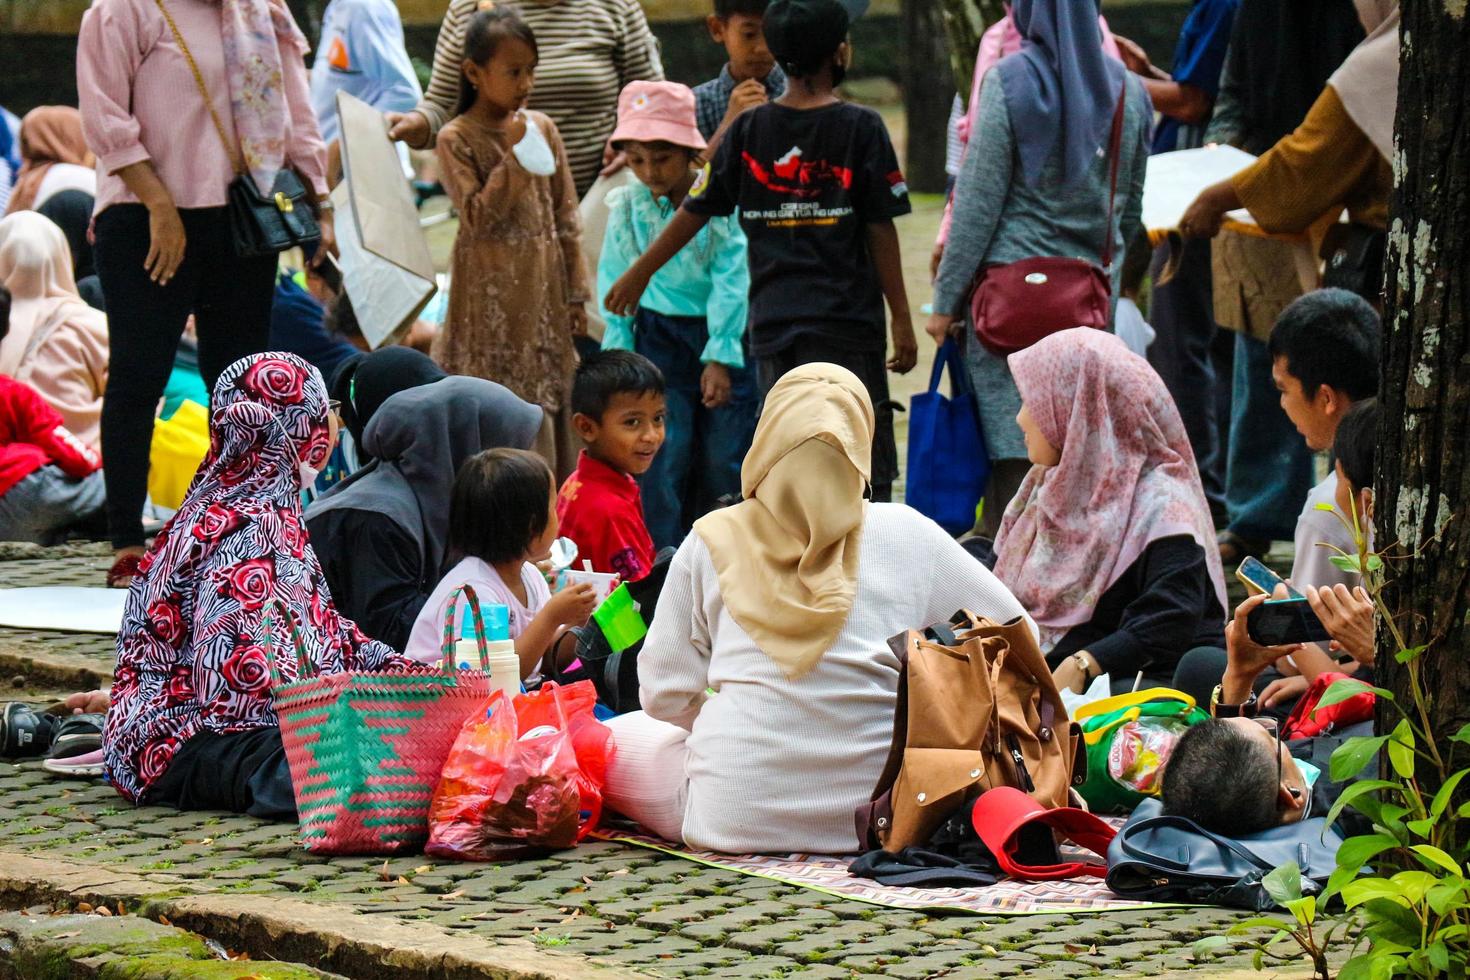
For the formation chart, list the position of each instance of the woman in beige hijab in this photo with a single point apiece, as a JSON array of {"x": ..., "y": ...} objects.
[
  {"x": 57, "y": 344},
  {"x": 1337, "y": 158},
  {"x": 766, "y": 680}
]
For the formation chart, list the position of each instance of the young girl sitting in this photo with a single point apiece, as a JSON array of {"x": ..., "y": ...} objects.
[
  {"x": 1108, "y": 543},
  {"x": 519, "y": 279},
  {"x": 502, "y": 518},
  {"x": 691, "y": 319}
]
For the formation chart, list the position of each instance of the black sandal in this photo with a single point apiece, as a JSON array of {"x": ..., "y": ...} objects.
[{"x": 24, "y": 732}]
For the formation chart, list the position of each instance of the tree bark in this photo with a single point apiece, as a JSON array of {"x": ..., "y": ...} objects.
[
  {"x": 1423, "y": 487},
  {"x": 964, "y": 22},
  {"x": 927, "y": 95}
]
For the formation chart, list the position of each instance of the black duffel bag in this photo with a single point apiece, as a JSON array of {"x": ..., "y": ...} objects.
[{"x": 1160, "y": 858}]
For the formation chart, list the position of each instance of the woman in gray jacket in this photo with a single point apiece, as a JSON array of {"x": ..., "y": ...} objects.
[{"x": 1035, "y": 183}]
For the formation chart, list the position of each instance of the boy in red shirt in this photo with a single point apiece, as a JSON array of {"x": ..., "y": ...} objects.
[
  {"x": 618, "y": 410},
  {"x": 50, "y": 481}
]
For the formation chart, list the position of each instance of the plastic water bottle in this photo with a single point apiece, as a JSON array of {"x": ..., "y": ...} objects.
[{"x": 505, "y": 664}]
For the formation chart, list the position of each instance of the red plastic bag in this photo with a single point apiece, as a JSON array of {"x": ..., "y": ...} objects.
[
  {"x": 1307, "y": 720},
  {"x": 524, "y": 775}
]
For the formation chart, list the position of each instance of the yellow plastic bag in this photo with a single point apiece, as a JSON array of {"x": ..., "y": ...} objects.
[{"x": 179, "y": 446}]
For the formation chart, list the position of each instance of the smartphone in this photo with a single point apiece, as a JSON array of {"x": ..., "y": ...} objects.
[
  {"x": 1277, "y": 622},
  {"x": 1260, "y": 580}
]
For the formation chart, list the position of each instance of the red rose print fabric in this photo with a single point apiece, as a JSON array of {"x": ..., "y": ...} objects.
[
  {"x": 191, "y": 654},
  {"x": 1127, "y": 478}
]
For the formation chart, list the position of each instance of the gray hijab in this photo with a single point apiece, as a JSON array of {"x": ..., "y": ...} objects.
[
  {"x": 1061, "y": 89},
  {"x": 418, "y": 439}
]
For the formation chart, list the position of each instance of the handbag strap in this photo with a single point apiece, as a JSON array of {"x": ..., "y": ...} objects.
[
  {"x": 304, "y": 666},
  {"x": 1237, "y": 848},
  {"x": 451, "y": 632},
  {"x": 1115, "y": 153},
  {"x": 219, "y": 127}
]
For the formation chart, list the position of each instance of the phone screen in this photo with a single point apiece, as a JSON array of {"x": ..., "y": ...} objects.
[{"x": 1257, "y": 578}]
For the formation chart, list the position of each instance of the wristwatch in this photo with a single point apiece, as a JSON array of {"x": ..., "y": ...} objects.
[{"x": 1246, "y": 709}]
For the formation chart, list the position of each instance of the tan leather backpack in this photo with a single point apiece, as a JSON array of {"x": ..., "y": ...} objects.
[{"x": 977, "y": 708}]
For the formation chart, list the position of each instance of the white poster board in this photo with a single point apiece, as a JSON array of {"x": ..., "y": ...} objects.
[{"x": 1174, "y": 180}]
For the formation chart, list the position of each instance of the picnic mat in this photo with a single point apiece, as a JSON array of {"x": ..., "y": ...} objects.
[
  {"x": 828, "y": 874},
  {"x": 63, "y": 607}
]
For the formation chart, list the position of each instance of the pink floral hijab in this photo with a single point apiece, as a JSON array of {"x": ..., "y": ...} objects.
[
  {"x": 1127, "y": 478},
  {"x": 191, "y": 652},
  {"x": 256, "y": 35}
]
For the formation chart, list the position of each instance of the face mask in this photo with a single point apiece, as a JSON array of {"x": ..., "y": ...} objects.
[
  {"x": 1310, "y": 775},
  {"x": 309, "y": 474}
]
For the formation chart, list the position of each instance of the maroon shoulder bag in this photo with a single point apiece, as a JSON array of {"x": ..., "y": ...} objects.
[{"x": 1016, "y": 304}]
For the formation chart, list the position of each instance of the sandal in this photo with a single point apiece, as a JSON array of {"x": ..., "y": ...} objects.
[
  {"x": 76, "y": 735},
  {"x": 1235, "y": 549},
  {"x": 24, "y": 733},
  {"x": 123, "y": 571},
  {"x": 89, "y": 765}
]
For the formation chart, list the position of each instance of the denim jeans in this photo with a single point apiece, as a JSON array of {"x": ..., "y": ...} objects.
[
  {"x": 703, "y": 448},
  {"x": 1182, "y": 312},
  {"x": 1269, "y": 472}
]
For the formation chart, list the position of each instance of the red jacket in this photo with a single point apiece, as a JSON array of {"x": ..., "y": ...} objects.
[
  {"x": 600, "y": 509},
  {"x": 32, "y": 436}
]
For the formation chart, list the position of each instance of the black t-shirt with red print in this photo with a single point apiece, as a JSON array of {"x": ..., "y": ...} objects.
[{"x": 807, "y": 182}]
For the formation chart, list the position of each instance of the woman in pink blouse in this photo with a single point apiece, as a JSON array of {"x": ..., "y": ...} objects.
[{"x": 163, "y": 243}]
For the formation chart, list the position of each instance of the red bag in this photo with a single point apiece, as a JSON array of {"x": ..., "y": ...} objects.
[
  {"x": 1307, "y": 720},
  {"x": 1016, "y": 304},
  {"x": 524, "y": 775}
]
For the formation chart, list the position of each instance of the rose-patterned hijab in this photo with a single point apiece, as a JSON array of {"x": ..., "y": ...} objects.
[
  {"x": 1127, "y": 478},
  {"x": 191, "y": 651}
]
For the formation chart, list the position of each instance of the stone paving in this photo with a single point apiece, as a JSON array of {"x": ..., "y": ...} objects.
[{"x": 618, "y": 904}]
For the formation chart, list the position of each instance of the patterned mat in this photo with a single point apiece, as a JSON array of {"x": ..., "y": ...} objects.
[{"x": 828, "y": 874}]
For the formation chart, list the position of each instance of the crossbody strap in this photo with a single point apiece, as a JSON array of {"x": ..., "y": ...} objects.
[
  {"x": 219, "y": 127},
  {"x": 1115, "y": 153}
]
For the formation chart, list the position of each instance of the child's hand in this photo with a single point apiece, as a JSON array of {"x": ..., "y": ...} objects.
[
  {"x": 714, "y": 385},
  {"x": 747, "y": 95},
  {"x": 515, "y": 130},
  {"x": 905, "y": 348},
  {"x": 577, "y": 317},
  {"x": 622, "y": 299},
  {"x": 408, "y": 127},
  {"x": 573, "y": 605}
]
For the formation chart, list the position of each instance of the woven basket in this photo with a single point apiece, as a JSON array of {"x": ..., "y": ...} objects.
[{"x": 366, "y": 748}]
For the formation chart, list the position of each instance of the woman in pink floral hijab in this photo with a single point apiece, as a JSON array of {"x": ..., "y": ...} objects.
[
  {"x": 191, "y": 722},
  {"x": 1109, "y": 543}
]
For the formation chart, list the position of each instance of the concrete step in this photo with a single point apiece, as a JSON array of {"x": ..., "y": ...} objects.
[{"x": 94, "y": 945}]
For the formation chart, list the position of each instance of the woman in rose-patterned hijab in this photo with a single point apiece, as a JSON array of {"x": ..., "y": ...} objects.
[{"x": 191, "y": 722}]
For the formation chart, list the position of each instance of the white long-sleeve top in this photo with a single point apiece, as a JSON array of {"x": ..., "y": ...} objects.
[{"x": 777, "y": 765}]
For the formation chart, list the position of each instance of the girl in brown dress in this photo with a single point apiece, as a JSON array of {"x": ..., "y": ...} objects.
[{"x": 518, "y": 280}]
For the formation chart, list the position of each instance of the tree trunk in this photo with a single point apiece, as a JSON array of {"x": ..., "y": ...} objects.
[
  {"x": 964, "y": 22},
  {"x": 1423, "y": 491},
  {"x": 927, "y": 95}
]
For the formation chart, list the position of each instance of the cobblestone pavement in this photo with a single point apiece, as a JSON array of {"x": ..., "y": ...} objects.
[{"x": 619, "y": 904}]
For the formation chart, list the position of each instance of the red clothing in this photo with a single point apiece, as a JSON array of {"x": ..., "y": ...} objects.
[
  {"x": 600, "y": 509},
  {"x": 32, "y": 435}
]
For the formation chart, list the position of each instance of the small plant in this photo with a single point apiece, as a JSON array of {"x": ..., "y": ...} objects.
[{"x": 1403, "y": 886}]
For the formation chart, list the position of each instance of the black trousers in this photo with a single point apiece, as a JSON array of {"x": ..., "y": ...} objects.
[
  {"x": 230, "y": 298},
  {"x": 243, "y": 772},
  {"x": 1182, "y": 312},
  {"x": 871, "y": 367}
]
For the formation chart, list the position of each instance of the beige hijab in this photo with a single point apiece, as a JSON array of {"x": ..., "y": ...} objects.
[
  {"x": 35, "y": 265},
  {"x": 1368, "y": 81},
  {"x": 787, "y": 555}
]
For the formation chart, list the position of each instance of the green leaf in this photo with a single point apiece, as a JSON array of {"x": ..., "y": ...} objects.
[
  {"x": 1358, "y": 851},
  {"x": 1344, "y": 562},
  {"x": 1355, "y": 790},
  {"x": 1391, "y": 922},
  {"x": 1259, "y": 960},
  {"x": 1414, "y": 885},
  {"x": 1342, "y": 690},
  {"x": 1401, "y": 750},
  {"x": 1439, "y": 957},
  {"x": 1443, "y": 896},
  {"x": 1374, "y": 563},
  {"x": 1259, "y": 922},
  {"x": 1352, "y": 756},
  {"x": 1327, "y": 507},
  {"x": 1284, "y": 884},
  {"x": 1340, "y": 876},
  {"x": 1366, "y": 889},
  {"x": 1442, "y": 798},
  {"x": 1434, "y": 856},
  {"x": 1208, "y": 945},
  {"x": 1463, "y": 735},
  {"x": 1304, "y": 909},
  {"x": 1422, "y": 828},
  {"x": 1412, "y": 653}
]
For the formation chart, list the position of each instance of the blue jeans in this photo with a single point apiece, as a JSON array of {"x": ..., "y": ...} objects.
[
  {"x": 1269, "y": 471},
  {"x": 703, "y": 448}
]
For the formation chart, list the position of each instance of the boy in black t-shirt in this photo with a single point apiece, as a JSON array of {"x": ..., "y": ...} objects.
[{"x": 817, "y": 186}]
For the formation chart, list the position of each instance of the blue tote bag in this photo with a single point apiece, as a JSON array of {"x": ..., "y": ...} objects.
[{"x": 948, "y": 465}]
